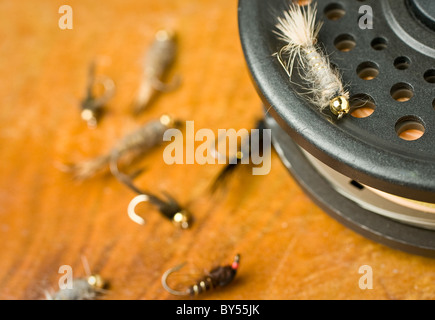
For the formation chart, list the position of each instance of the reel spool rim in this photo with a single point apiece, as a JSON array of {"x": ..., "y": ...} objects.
[{"x": 383, "y": 230}]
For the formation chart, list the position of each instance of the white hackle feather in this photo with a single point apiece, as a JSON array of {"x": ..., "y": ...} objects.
[{"x": 299, "y": 30}]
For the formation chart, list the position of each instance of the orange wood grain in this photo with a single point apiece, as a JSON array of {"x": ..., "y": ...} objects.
[{"x": 290, "y": 248}]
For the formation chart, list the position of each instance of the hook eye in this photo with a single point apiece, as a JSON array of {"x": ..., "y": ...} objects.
[{"x": 132, "y": 206}]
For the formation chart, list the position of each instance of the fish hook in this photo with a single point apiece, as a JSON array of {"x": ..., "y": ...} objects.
[
  {"x": 168, "y": 208},
  {"x": 167, "y": 287}
]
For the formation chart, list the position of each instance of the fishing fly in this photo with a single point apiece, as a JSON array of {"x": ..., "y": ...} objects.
[
  {"x": 91, "y": 105},
  {"x": 299, "y": 30},
  {"x": 157, "y": 62},
  {"x": 88, "y": 288},
  {"x": 83, "y": 289},
  {"x": 242, "y": 156},
  {"x": 217, "y": 277},
  {"x": 168, "y": 207},
  {"x": 134, "y": 144}
]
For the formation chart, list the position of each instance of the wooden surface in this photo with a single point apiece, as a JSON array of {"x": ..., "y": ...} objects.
[{"x": 290, "y": 248}]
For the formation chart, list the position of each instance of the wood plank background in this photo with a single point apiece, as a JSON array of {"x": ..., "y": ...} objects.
[{"x": 290, "y": 248}]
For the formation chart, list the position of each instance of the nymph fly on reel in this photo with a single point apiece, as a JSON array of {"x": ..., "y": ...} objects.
[
  {"x": 217, "y": 277},
  {"x": 299, "y": 30}
]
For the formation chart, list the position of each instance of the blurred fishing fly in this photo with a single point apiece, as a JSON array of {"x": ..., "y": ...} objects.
[
  {"x": 91, "y": 105},
  {"x": 158, "y": 60},
  {"x": 83, "y": 289},
  {"x": 88, "y": 288},
  {"x": 168, "y": 207},
  {"x": 243, "y": 156},
  {"x": 217, "y": 277},
  {"x": 299, "y": 30},
  {"x": 138, "y": 142}
]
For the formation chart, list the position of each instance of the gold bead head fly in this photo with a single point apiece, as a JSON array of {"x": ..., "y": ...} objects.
[
  {"x": 96, "y": 281},
  {"x": 339, "y": 106},
  {"x": 182, "y": 219}
]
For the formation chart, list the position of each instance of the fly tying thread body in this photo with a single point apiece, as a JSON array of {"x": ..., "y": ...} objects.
[
  {"x": 299, "y": 30},
  {"x": 217, "y": 277}
]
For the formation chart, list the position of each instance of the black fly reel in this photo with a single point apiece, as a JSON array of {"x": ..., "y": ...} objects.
[{"x": 373, "y": 170}]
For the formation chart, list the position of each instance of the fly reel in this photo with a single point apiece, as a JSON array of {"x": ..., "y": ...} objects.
[{"x": 374, "y": 169}]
